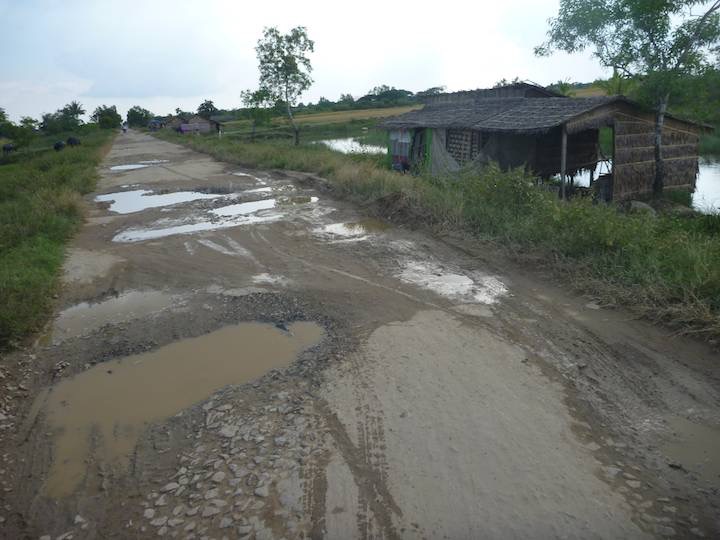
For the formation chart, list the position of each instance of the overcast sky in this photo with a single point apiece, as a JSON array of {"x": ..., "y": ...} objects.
[{"x": 163, "y": 54}]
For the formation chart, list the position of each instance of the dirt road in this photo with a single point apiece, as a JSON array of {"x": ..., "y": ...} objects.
[{"x": 238, "y": 355}]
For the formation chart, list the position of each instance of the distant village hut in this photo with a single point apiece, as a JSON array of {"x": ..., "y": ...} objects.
[
  {"x": 524, "y": 125},
  {"x": 198, "y": 124},
  {"x": 156, "y": 123}
]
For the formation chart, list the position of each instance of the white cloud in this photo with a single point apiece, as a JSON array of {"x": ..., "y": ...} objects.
[{"x": 166, "y": 54}]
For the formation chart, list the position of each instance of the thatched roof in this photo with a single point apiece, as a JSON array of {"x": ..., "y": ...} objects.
[{"x": 514, "y": 115}]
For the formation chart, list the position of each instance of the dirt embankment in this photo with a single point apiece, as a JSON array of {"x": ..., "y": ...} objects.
[{"x": 431, "y": 389}]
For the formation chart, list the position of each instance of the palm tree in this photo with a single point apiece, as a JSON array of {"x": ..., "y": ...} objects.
[{"x": 74, "y": 109}]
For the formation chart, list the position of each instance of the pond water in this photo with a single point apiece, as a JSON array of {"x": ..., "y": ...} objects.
[
  {"x": 707, "y": 192},
  {"x": 350, "y": 145}
]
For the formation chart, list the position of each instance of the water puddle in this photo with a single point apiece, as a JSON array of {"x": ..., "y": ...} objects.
[
  {"x": 356, "y": 231},
  {"x": 257, "y": 179},
  {"x": 127, "y": 202},
  {"x": 351, "y": 145},
  {"x": 138, "y": 165},
  {"x": 480, "y": 289},
  {"x": 84, "y": 318},
  {"x": 233, "y": 215},
  {"x": 107, "y": 408},
  {"x": 269, "y": 279},
  {"x": 244, "y": 209},
  {"x": 696, "y": 447}
]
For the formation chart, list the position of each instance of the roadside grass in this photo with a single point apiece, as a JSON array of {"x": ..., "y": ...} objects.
[
  {"x": 40, "y": 208},
  {"x": 666, "y": 267}
]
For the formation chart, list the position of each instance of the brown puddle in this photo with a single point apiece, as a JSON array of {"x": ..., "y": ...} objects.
[
  {"x": 696, "y": 447},
  {"x": 85, "y": 317},
  {"x": 109, "y": 406}
]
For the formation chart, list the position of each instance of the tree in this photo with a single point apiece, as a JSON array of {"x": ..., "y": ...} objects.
[
  {"x": 106, "y": 117},
  {"x": 207, "y": 109},
  {"x": 29, "y": 123},
  {"x": 347, "y": 98},
  {"x": 504, "y": 82},
  {"x": 138, "y": 117},
  {"x": 657, "y": 42},
  {"x": 434, "y": 91},
  {"x": 259, "y": 103},
  {"x": 618, "y": 84},
  {"x": 285, "y": 67},
  {"x": 73, "y": 110},
  {"x": 562, "y": 87}
]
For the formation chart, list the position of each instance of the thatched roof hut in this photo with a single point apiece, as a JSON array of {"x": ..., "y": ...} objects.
[{"x": 547, "y": 134}]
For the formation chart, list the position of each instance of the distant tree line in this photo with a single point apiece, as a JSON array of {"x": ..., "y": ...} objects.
[{"x": 64, "y": 120}]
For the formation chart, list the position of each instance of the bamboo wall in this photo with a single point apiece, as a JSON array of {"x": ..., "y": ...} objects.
[{"x": 634, "y": 160}]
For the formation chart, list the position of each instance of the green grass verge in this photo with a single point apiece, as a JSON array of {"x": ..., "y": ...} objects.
[
  {"x": 666, "y": 267},
  {"x": 40, "y": 208}
]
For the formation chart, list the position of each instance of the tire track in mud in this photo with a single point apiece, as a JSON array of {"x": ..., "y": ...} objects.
[{"x": 370, "y": 480}]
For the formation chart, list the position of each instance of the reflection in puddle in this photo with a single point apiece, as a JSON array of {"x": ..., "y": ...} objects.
[
  {"x": 138, "y": 165},
  {"x": 482, "y": 289},
  {"x": 234, "y": 215},
  {"x": 245, "y": 208},
  {"x": 109, "y": 406},
  {"x": 696, "y": 447},
  {"x": 355, "y": 231},
  {"x": 85, "y": 318},
  {"x": 351, "y": 145},
  {"x": 137, "y": 235},
  {"x": 127, "y": 202}
]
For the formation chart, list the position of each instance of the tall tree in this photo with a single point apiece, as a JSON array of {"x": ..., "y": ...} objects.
[
  {"x": 74, "y": 109},
  {"x": 138, "y": 117},
  {"x": 206, "y": 109},
  {"x": 285, "y": 67},
  {"x": 259, "y": 102},
  {"x": 657, "y": 42},
  {"x": 107, "y": 117}
]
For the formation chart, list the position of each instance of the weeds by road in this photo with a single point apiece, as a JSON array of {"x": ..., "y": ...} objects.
[{"x": 40, "y": 208}]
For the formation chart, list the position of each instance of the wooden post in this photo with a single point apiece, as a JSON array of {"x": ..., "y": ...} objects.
[{"x": 563, "y": 161}]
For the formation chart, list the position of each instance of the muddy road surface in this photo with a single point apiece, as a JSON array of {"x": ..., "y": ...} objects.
[{"x": 235, "y": 354}]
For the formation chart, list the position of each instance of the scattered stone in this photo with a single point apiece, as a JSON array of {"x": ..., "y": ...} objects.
[
  {"x": 212, "y": 494},
  {"x": 225, "y": 522},
  {"x": 178, "y": 510},
  {"x": 149, "y": 513},
  {"x": 162, "y": 531},
  {"x": 244, "y": 529},
  {"x": 635, "y": 484},
  {"x": 218, "y": 476},
  {"x": 190, "y": 526},
  {"x": 159, "y": 522},
  {"x": 172, "y": 486},
  {"x": 192, "y": 511},
  {"x": 262, "y": 491},
  {"x": 79, "y": 520},
  {"x": 175, "y": 521},
  {"x": 210, "y": 511},
  {"x": 228, "y": 431},
  {"x": 161, "y": 501}
]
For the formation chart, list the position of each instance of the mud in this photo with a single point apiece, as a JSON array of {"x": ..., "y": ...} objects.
[{"x": 453, "y": 394}]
